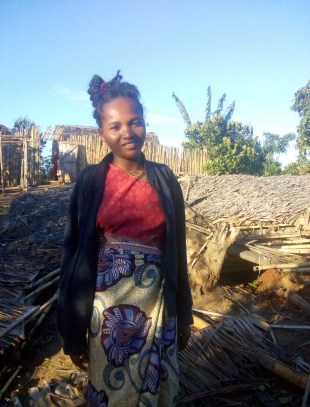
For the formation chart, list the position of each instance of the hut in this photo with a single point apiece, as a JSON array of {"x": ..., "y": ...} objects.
[{"x": 20, "y": 157}]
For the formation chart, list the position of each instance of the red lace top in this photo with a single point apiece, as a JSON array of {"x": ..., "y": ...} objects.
[{"x": 131, "y": 208}]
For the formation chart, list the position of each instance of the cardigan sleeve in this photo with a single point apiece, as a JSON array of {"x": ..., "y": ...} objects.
[
  {"x": 71, "y": 230},
  {"x": 71, "y": 343},
  {"x": 183, "y": 298},
  {"x": 79, "y": 259}
]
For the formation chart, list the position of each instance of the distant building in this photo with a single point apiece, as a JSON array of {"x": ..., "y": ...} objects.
[{"x": 5, "y": 130}]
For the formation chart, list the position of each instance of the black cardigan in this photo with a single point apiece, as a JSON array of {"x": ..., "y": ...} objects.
[{"x": 80, "y": 252}]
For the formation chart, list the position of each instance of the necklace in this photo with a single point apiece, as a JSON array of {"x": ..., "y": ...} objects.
[{"x": 137, "y": 173}]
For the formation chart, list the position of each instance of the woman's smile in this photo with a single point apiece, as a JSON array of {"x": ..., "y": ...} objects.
[{"x": 123, "y": 129}]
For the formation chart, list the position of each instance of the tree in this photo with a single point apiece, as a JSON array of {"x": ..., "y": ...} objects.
[
  {"x": 291, "y": 168},
  {"x": 23, "y": 125},
  {"x": 41, "y": 165},
  {"x": 301, "y": 167},
  {"x": 231, "y": 146},
  {"x": 273, "y": 146},
  {"x": 301, "y": 105}
]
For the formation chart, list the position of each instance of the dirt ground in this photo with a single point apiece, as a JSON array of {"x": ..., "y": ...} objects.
[{"x": 237, "y": 293}]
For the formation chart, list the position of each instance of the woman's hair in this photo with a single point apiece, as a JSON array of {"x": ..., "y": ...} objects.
[{"x": 102, "y": 92}]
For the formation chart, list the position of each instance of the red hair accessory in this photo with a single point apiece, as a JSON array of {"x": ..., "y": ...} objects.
[{"x": 102, "y": 86}]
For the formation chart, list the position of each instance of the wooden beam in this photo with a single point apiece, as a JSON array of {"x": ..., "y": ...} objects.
[{"x": 252, "y": 257}]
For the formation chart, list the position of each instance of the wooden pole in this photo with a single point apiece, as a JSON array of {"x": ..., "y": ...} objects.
[
  {"x": 1, "y": 164},
  {"x": 25, "y": 164},
  {"x": 22, "y": 178},
  {"x": 282, "y": 266},
  {"x": 299, "y": 301},
  {"x": 287, "y": 373}
]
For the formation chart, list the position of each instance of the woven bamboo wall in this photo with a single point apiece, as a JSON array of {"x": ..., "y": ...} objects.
[
  {"x": 12, "y": 159},
  {"x": 93, "y": 149},
  {"x": 13, "y": 151}
]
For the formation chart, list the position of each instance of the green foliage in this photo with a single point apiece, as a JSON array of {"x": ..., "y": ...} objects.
[
  {"x": 301, "y": 167},
  {"x": 254, "y": 284},
  {"x": 273, "y": 146},
  {"x": 235, "y": 156},
  {"x": 182, "y": 109},
  {"x": 46, "y": 168},
  {"x": 301, "y": 105},
  {"x": 230, "y": 145},
  {"x": 272, "y": 168},
  {"x": 292, "y": 169},
  {"x": 208, "y": 105},
  {"x": 23, "y": 125},
  {"x": 304, "y": 168}
]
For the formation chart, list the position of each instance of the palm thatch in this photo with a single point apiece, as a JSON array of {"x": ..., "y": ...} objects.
[
  {"x": 230, "y": 353},
  {"x": 243, "y": 200},
  {"x": 5, "y": 130},
  {"x": 65, "y": 132},
  {"x": 30, "y": 253}
]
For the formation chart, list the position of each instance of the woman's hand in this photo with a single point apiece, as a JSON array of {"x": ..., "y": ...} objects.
[
  {"x": 80, "y": 361},
  {"x": 184, "y": 333}
]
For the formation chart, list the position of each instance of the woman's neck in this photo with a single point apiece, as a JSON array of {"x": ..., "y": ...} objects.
[{"x": 128, "y": 165}]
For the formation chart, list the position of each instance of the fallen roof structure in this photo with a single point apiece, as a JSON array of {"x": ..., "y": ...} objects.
[{"x": 262, "y": 220}]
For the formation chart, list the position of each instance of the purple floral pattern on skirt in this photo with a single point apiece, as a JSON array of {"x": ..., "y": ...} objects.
[
  {"x": 112, "y": 266},
  {"x": 154, "y": 372},
  {"x": 96, "y": 398},
  {"x": 124, "y": 332},
  {"x": 133, "y": 352}
]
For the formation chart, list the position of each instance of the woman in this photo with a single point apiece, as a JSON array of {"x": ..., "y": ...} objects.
[{"x": 123, "y": 275}]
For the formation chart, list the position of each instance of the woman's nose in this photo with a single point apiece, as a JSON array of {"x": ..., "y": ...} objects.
[{"x": 127, "y": 131}]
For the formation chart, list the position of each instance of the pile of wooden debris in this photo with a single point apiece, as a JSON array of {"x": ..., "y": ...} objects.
[
  {"x": 263, "y": 221},
  {"x": 223, "y": 359},
  {"x": 30, "y": 254}
]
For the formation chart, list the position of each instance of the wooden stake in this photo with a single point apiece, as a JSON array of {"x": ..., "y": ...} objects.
[
  {"x": 1, "y": 165},
  {"x": 287, "y": 373},
  {"x": 299, "y": 301}
]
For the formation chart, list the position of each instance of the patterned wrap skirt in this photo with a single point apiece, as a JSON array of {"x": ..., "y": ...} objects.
[{"x": 132, "y": 345}]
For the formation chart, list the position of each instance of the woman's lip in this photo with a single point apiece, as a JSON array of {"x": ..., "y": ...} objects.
[{"x": 130, "y": 144}]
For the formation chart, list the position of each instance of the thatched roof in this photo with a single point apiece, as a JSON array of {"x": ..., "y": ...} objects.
[
  {"x": 5, "y": 130},
  {"x": 64, "y": 132},
  {"x": 248, "y": 200},
  {"x": 151, "y": 138}
]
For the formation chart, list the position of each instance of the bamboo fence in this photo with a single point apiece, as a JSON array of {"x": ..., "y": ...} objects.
[
  {"x": 92, "y": 149},
  {"x": 20, "y": 159},
  {"x": 20, "y": 154}
]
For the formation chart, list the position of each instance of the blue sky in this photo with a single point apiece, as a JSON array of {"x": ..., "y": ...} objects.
[{"x": 255, "y": 51}]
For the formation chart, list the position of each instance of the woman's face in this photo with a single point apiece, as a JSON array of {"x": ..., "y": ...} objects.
[{"x": 123, "y": 128}]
